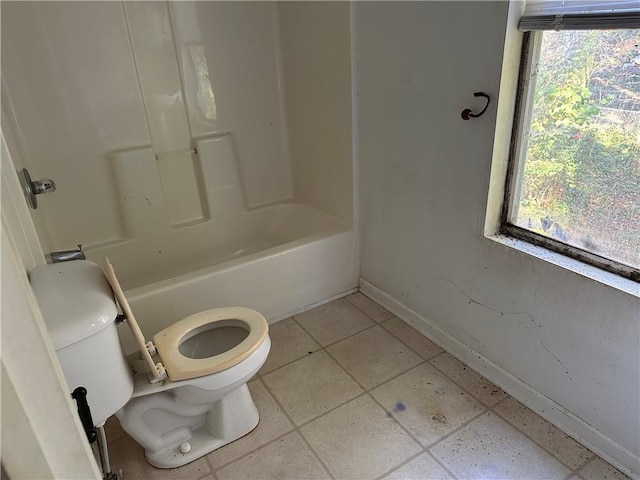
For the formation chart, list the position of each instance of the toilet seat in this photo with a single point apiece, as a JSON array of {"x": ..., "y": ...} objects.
[
  {"x": 174, "y": 364},
  {"x": 181, "y": 367}
]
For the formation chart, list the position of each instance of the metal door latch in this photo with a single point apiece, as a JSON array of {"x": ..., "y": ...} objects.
[{"x": 32, "y": 188}]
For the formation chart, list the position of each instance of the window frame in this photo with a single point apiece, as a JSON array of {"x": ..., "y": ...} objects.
[{"x": 526, "y": 87}]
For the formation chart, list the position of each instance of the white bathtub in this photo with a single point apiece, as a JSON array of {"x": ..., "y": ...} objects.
[{"x": 290, "y": 256}]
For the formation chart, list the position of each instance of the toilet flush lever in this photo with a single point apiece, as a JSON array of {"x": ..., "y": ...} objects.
[{"x": 32, "y": 188}]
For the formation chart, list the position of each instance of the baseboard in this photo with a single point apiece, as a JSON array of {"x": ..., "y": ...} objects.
[{"x": 614, "y": 453}]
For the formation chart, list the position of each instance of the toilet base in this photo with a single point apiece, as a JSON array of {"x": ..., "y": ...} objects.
[{"x": 229, "y": 419}]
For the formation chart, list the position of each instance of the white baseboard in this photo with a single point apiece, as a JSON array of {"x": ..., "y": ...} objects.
[{"x": 614, "y": 453}]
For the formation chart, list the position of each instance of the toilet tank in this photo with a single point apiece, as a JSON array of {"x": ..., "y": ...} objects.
[{"x": 80, "y": 313}]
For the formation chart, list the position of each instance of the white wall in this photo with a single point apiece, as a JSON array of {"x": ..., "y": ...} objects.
[
  {"x": 40, "y": 431},
  {"x": 424, "y": 182},
  {"x": 315, "y": 44}
]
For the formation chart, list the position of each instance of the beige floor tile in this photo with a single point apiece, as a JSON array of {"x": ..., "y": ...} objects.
[
  {"x": 423, "y": 467},
  {"x": 358, "y": 440},
  {"x": 127, "y": 455},
  {"x": 373, "y": 356},
  {"x": 368, "y": 306},
  {"x": 488, "y": 447},
  {"x": 478, "y": 386},
  {"x": 565, "y": 448},
  {"x": 273, "y": 423},
  {"x": 427, "y": 403},
  {"x": 311, "y": 386},
  {"x": 598, "y": 469},
  {"x": 333, "y": 321},
  {"x": 288, "y": 457},
  {"x": 413, "y": 338},
  {"x": 288, "y": 343},
  {"x": 113, "y": 430}
]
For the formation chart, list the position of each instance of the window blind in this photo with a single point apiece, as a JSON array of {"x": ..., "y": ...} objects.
[{"x": 580, "y": 14}]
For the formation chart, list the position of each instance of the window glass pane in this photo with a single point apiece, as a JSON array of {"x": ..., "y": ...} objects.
[{"x": 580, "y": 181}]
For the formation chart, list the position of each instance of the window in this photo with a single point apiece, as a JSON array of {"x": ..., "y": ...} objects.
[{"x": 574, "y": 182}]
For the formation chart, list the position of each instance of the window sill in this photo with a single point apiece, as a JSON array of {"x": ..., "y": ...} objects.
[{"x": 607, "y": 278}]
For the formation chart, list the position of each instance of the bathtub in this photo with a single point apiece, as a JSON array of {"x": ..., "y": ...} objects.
[{"x": 283, "y": 259}]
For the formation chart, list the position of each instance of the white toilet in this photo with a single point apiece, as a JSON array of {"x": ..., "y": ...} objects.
[{"x": 189, "y": 402}]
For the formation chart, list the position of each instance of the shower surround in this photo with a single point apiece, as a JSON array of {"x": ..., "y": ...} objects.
[{"x": 205, "y": 147}]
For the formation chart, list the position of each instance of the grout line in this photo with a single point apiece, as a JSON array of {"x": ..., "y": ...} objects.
[
  {"x": 211, "y": 469},
  {"x": 208, "y": 475},
  {"x": 469, "y": 392},
  {"x": 411, "y": 458},
  {"x": 446, "y": 469},
  {"x": 415, "y": 439},
  {"x": 320, "y": 348},
  {"x": 369, "y": 389},
  {"x": 415, "y": 350},
  {"x": 591, "y": 460},
  {"x": 360, "y": 309},
  {"x": 297, "y": 429},
  {"x": 337, "y": 341},
  {"x": 331, "y": 410},
  {"x": 317, "y": 455},
  {"x": 249, "y": 452},
  {"x": 493, "y": 410},
  {"x": 325, "y": 348}
]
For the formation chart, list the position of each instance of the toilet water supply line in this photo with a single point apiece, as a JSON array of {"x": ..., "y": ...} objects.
[{"x": 104, "y": 455}]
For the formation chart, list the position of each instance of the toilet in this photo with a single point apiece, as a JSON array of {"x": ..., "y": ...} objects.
[{"x": 184, "y": 394}]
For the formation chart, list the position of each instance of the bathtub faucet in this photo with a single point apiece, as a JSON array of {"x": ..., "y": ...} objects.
[{"x": 66, "y": 255}]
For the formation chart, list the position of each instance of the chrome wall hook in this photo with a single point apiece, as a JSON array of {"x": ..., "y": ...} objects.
[{"x": 466, "y": 113}]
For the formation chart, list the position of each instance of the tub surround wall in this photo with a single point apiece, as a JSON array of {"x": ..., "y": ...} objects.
[
  {"x": 164, "y": 127},
  {"x": 424, "y": 181},
  {"x": 72, "y": 102},
  {"x": 242, "y": 50},
  {"x": 316, "y": 68},
  {"x": 87, "y": 83},
  {"x": 176, "y": 161},
  {"x": 152, "y": 241}
]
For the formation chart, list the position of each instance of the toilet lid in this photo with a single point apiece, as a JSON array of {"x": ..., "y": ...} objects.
[
  {"x": 181, "y": 367},
  {"x": 156, "y": 370}
]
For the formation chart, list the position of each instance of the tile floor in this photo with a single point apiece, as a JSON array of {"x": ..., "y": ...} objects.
[{"x": 350, "y": 391}]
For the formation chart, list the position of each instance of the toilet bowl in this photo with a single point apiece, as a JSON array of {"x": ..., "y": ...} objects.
[{"x": 182, "y": 395}]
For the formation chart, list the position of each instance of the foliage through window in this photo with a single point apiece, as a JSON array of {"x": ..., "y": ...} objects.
[{"x": 576, "y": 166}]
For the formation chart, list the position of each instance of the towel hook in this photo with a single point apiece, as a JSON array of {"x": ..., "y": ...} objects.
[{"x": 466, "y": 113}]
